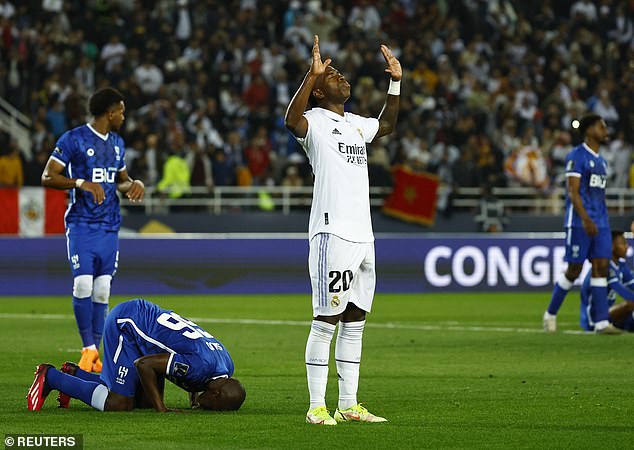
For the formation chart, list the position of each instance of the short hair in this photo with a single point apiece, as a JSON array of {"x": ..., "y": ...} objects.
[
  {"x": 233, "y": 394},
  {"x": 587, "y": 121},
  {"x": 104, "y": 99},
  {"x": 617, "y": 233},
  {"x": 230, "y": 394}
]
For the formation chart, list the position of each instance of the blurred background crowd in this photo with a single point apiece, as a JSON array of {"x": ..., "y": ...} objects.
[{"x": 490, "y": 88}]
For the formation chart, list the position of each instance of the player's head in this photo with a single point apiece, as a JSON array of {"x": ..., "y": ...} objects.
[
  {"x": 593, "y": 127},
  {"x": 108, "y": 103},
  {"x": 330, "y": 87},
  {"x": 222, "y": 394},
  {"x": 619, "y": 244}
]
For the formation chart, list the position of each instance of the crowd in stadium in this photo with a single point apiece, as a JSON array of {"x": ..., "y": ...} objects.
[{"x": 490, "y": 88}]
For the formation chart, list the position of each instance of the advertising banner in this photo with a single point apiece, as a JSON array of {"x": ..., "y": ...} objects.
[{"x": 257, "y": 264}]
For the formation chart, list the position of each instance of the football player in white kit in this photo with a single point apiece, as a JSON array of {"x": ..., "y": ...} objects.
[{"x": 341, "y": 261}]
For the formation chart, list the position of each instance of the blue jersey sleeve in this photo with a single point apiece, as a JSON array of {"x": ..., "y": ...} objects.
[
  {"x": 617, "y": 280},
  {"x": 64, "y": 149},
  {"x": 121, "y": 154},
  {"x": 627, "y": 277},
  {"x": 574, "y": 164},
  {"x": 623, "y": 291},
  {"x": 185, "y": 372}
]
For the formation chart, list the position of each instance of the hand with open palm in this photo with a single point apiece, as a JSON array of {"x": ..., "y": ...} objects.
[{"x": 318, "y": 67}]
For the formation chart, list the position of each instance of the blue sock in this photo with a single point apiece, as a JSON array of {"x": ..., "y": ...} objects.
[
  {"x": 599, "y": 289},
  {"x": 99, "y": 311},
  {"x": 557, "y": 299},
  {"x": 88, "y": 376},
  {"x": 83, "y": 316},
  {"x": 562, "y": 286},
  {"x": 73, "y": 386}
]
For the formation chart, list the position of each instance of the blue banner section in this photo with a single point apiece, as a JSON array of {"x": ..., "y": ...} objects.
[{"x": 265, "y": 265}]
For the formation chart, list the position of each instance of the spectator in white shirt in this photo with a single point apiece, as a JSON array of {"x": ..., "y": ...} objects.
[
  {"x": 365, "y": 17},
  {"x": 7, "y": 10},
  {"x": 584, "y": 8},
  {"x": 112, "y": 53},
  {"x": 606, "y": 109},
  {"x": 148, "y": 77}
]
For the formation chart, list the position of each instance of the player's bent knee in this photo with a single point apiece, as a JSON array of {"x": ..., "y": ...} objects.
[
  {"x": 101, "y": 289},
  {"x": 82, "y": 286}
]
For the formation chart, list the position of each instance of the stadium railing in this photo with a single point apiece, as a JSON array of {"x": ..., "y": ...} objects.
[
  {"x": 17, "y": 125},
  {"x": 223, "y": 199}
]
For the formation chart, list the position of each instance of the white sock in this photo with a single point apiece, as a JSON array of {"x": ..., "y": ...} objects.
[
  {"x": 564, "y": 282},
  {"x": 348, "y": 357},
  {"x": 90, "y": 347},
  {"x": 317, "y": 355},
  {"x": 601, "y": 324},
  {"x": 99, "y": 397}
]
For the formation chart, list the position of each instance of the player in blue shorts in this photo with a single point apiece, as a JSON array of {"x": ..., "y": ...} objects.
[
  {"x": 620, "y": 282},
  {"x": 143, "y": 345},
  {"x": 90, "y": 161},
  {"x": 586, "y": 223}
]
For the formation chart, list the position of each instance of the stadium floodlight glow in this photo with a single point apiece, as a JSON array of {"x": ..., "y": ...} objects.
[{"x": 575, "y": 124}]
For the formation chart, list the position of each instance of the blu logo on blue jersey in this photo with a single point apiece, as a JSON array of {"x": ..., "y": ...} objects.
[
  {"x": 86, "y": 153},
  {"x": 591, "y": 169}
]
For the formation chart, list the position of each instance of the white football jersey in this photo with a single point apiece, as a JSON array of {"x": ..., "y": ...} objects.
[{"x": 336, "y": 149}]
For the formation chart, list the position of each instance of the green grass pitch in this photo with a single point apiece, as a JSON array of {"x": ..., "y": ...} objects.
[{"x": 451, "y": 370}]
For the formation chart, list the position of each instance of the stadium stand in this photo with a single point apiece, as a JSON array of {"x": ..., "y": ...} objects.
[{"x": 491, "y": 87}]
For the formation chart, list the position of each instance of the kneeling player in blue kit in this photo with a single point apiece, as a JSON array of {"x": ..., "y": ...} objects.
[
  {"x": 143, "y": 345},
  {"x": 620, "y": 282}
]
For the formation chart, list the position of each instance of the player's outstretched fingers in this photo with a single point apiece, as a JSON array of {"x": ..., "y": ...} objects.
[{"x": 318, "y": 67}]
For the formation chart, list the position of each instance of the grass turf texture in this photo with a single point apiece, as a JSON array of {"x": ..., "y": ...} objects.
[{"x": 461, "y": 370}]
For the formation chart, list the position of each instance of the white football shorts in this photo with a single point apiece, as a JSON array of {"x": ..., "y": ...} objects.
[{"x": 340, "y": 272}]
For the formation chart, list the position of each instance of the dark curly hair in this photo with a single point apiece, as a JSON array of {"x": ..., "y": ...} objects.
[{"x": 102, "y": 100}]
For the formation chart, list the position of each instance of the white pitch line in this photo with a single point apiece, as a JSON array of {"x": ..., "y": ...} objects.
[{"x": 305, "y": 323}]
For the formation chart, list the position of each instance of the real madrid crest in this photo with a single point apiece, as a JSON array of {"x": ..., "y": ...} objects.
[{"x": 335, "y": 301}]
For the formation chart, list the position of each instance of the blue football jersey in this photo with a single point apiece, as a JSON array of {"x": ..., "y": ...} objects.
[
  {"x": 619, "y": 276},
  {"x": 86, "y": 153},
  {"x": 196, "y": 356},
  {"x": 591, "y": 168}
]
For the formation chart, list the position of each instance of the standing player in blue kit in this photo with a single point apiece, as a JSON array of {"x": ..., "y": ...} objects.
[
  {"x": 587, "y": 224},
  {"x": 90, "y": 161}
]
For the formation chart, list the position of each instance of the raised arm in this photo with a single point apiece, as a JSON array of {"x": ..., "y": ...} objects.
[
  {"x": 389, "y": 113},
  {"x": 294, "y": 119},
  {"x": 150, "y": 369},
  {"x": 52, "y": 177}
]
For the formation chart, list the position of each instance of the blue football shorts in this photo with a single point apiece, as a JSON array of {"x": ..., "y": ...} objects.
[
  {"x": 580, "y": 246},
  {"x": 120, "y": 351},
  {"x": 92, "y": 251}
]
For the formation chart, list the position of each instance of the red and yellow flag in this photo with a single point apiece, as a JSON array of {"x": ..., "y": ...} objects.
[{"x": 414, "y": 196}]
